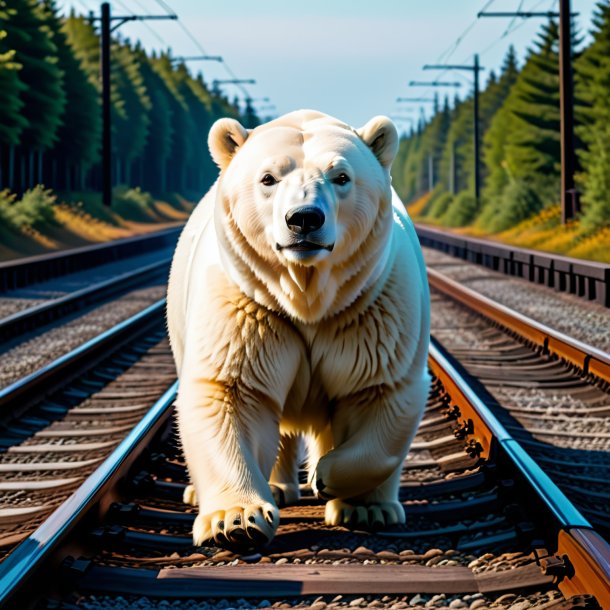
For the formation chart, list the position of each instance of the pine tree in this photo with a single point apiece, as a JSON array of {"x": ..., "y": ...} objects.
[
  {"x": 12, "y": 121},
  {"x": 593, "y": 82},
  {"x": 496, "y": 135},
  {"x": 44, "y": 96},
  {"x": 130, "y": 126},
  {"x": 78, "y": 138},
  {"x": 159, "y": 142},
  {"x": 183, "y": 128},
  {"x": 533, "y": 144}
]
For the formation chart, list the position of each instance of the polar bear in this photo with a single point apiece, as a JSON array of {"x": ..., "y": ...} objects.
[{"x": 298, "y": 304}]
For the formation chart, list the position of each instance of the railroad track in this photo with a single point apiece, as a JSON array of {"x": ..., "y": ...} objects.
[
  {"x": 60, "y": 422},
  {"x": 485, "y": 526},
  {"x": 40, "y": 290},
  {"x": 551, "y": 391}
]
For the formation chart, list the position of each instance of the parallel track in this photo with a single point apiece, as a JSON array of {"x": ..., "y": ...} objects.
[
  {"x": 550, "y": 391},
  {"x": 58, "y": 423},
  {"x": 476, "y": 503},
  {"x": 38, "y": 290}
]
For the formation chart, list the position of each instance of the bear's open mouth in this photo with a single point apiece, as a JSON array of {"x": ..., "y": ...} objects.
[{"x": 305, "y": 246}]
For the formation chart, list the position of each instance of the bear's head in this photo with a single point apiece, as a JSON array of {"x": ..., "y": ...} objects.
[{"x": 303, "y": 210}]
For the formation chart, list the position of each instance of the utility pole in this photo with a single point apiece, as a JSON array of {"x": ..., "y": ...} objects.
[
  {"x": 570, "y": 204},
  {"x": 475, "y": 69},
  {"x": 106, "y": 108},
  {"x": 106, "y": 29}
]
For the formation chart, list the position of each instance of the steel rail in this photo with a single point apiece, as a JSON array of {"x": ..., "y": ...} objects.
[
  {"x": 586, "y": 279},
  {"x": 44, "y": 313},
  {"x": 18, "y": 396},
  {"x": 588, "y": 554},
  {"x": 28, "y": 270},
  {"x": 93, "y": 495},
  {"x": 587, "y": 358}
]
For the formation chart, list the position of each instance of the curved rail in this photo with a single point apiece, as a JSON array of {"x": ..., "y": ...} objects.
[{"x": 586, "y": 357}]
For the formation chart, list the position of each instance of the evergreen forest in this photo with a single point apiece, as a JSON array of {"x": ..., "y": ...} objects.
[
  {"x": 520, "y": 147},
  {"x": 50, "y": 115}
]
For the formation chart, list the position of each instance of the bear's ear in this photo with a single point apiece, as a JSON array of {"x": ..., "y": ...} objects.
[
  {"x": 380, "y": 135},
  {"x": 225, "y": 137}
]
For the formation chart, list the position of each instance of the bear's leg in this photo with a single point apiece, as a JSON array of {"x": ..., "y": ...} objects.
[
  {"x": 230, "y": 451},
  {"x": 284, "y": 480},
  {"x": 372, "y": 430},
  {"x": 373, "y": 510}
]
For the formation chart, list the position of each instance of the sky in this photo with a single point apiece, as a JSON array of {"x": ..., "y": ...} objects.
[{"x": 350, "y": 59}]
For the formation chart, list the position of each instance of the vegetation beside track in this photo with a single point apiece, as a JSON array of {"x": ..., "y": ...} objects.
[
  {"x": 542, "y": 231},
  {"x": 42, "y": 221}
]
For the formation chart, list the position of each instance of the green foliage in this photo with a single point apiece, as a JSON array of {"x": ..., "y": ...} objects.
[
  {"x": 78, "y": 136},
  {"x": 461, "y": 211},
  {"x": 130, "y": 126},
  {"x": 519, "y": 201},
  {"x": 43, "y": 96},
  {"x": 593, "y": 79},
  {"x": 533, "y": 145},
  {"x": 439, "y": 204},
  {"x": 50, "y": 116},
  {"x": 34, "y": 209},
  {"x": 495, "y": 173},
  {"x": 133, "y": 204},
  {"x": 11, "y": 86}
]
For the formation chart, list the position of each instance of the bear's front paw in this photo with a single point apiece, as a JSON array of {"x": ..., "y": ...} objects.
[
  {"x": 240, "y": 527},
  {"x": 370, "y": 517},
  {"x": 189, "y": 496}
]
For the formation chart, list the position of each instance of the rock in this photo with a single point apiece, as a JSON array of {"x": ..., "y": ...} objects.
[
  {"x": 434, "y": 601},
  {"x": 337, "y": 598},
  {"x": 362, "y": 550},
  {"x": 388, "y": 555},
  {"x": 318, "y": 606},
  {"x": 458, "y": 603},
  {"x": 477, "y": 603},
  {"x": 432, "y": 553},
  {"x": 281, "y": 561},
  {"x": 507, "y": 597},
  {"x": 417, "y": 600},
  {"x": 523, "y": 605},
  {"x": 357, "y": 601}
]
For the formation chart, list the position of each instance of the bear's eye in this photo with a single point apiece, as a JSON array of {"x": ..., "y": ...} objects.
[
  {"x": 268, "y": 180},
  {"x": 341, "y": 179}
]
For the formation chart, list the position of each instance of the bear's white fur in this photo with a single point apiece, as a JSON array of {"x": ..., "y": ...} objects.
[{"x": 283, "y": 329}]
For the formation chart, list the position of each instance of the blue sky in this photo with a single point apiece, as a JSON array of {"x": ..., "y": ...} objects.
[{"x": 350, "y": 59}]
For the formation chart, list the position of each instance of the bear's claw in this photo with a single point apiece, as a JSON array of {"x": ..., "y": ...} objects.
[
  {"x": 369, "y": 517},
  {"x": 241, "y": 527}
]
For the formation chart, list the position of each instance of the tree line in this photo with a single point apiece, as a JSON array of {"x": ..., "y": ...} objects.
[
  {"x": 50, "y": 108},
  {"x": 520, "y": 140}
]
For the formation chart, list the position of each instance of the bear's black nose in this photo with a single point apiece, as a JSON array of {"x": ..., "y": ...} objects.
[{"x": 305, "y": 219}]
